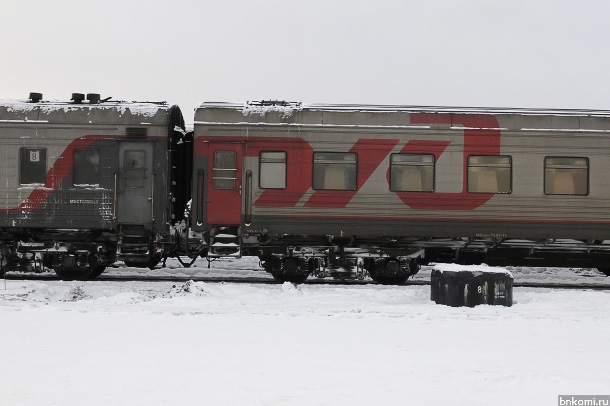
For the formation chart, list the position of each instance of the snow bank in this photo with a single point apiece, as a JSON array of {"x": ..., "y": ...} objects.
[{"x": 222, "y": 343}]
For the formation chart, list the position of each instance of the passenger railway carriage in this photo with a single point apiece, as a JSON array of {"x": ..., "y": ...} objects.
[
  {"x": 340, "y": 191},
  {"x": 89, "y": 181},
  {"x": 343, "y": 190}
]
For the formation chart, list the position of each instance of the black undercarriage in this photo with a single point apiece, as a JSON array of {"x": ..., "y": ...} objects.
[{"x": 394, "y": 260}]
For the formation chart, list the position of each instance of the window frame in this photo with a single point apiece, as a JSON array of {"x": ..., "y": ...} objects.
[
  {"x": 260, "y": 169},
  {"x": 75, "y": 171},
  {"x": 496, "y": 165},
  {"x": 216, "y": 170},
  {"x": 421, "y": 164},
  {"x": 354, "y": 163},
  {"x": 588, "y": 174},
  {"x": 22, "y": 161},
  {"x": 134, "y": 177}
]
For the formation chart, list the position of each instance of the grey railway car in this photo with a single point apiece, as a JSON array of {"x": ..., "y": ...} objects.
[
  {"x": 343, "y": 190},
  {"x": 87, "y": 182}
]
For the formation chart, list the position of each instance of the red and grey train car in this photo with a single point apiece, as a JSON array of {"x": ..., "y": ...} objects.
[
  {"x": 343, "y": 190},
  {"x": 88, "y": 181}
]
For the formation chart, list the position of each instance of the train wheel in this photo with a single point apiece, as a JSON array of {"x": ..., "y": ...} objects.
[
  {"x": 152, "y": 262},
  {"x": 73, "y": 274},
  {"x": 96, "y": 271},
  {"x": 134, "y": 264},
  {"x": 289, "y": 278},
  {"x": 390, "y": 280},
  {"x": 605, "y": 271}
]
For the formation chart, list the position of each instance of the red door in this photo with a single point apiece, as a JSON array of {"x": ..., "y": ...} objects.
[{"x": 224, "y": 191}]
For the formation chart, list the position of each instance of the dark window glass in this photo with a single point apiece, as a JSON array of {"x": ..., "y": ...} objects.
[
  {"x": 33, "y": 166},
  {"x": 87, "y": 167}
]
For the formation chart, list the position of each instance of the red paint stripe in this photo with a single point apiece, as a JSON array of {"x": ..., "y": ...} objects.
[
  {"x": 371, "y": 153},
  {"x": 61, "y": 168},
  {"x": 481, "y": 137},
  {"x": 299, "y": 164},
  {"x": 299, "y": 167},
  {"x": 57, "y": 173}
]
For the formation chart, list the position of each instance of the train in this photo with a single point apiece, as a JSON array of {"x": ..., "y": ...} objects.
[
  {"x": 89, "y": 181},
  {"x": 312, "y": 190}
]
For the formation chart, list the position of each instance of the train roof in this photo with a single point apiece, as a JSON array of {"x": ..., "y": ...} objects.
[
  {"x": 361, "y": 115},
  {"x": 267, "y": 106},
  {"x": 103, "y": 112}
]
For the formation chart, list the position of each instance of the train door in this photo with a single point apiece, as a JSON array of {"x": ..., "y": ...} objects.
[
  {"x": 135, "y": 183},
  {"x": 225, "y": 183}
]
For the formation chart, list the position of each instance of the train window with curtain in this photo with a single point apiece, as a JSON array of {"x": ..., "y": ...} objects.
[
  {"x": 272, "y": 174},
  {"x": 411, "y": 173},
  {"x": 489, "y": 174},
  {"x": 335, "y": 170},
  {"x": 87, "y": 167},
  {"x": 33, "y": 166},
  {"x": 225, "y": 170},
  {"x": 566, "y": 176}
]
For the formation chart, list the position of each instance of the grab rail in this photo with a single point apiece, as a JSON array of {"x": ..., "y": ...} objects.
[{"x": 248, "y": 199}]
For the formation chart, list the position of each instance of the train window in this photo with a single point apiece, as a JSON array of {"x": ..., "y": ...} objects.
[
  {"x": 87, "y": 167},
  {"x": 134, "y": 168},
  {"x": 489, "y": 174},
  {"x": 33, "y": 166},
  {"x": 411, "y": 173},
  {"x": 225, "y": 170},
  {"x": 272, "y": 174},
  {"x": 334, "y": 170},
  {"x": 566, "y": 176}
]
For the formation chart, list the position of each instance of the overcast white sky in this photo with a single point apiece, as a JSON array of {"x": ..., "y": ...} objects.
[{"x": 512, "y": 53}]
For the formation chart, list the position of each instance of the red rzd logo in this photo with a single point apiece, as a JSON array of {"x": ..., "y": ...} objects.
[{"x": 481, "y": 137}]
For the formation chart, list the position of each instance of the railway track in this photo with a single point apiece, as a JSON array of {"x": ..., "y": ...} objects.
[{"x": 49, "y": 276}]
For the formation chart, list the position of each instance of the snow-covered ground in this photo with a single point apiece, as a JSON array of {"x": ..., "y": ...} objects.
[{"x": 213, "y": 343}]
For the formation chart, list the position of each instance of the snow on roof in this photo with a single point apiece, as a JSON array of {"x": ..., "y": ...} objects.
[
  {"x": 281, "y": 113},
  {"x": 261, "y": 107},
  {"x": 65, "y": 112},
  {"x": 136, "y": 108}
]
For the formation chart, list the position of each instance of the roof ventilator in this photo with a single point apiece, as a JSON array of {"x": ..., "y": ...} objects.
[
  {"x": 77, "y": 97},
  {"x": 94, "y": 98},
  {"x": 35, "y": 97},
  {"x": 136, "y": 132}
]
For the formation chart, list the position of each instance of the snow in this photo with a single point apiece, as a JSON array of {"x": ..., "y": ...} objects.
[
  {"x": 478, "y": 269},
  {"x": 253, "y": 107},
  {"x": 201, "y": 341},
  {"x": 284, "y": 110},
  {"x": 144, "y": 109}
]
